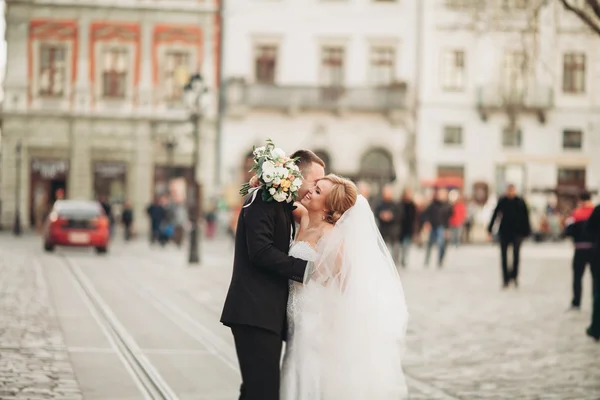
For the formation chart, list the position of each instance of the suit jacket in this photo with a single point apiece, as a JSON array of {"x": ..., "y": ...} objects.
[{"x": 258, "y": 292}]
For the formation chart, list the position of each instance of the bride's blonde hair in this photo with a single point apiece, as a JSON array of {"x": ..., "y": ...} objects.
[{"x": 341, "y": 198}]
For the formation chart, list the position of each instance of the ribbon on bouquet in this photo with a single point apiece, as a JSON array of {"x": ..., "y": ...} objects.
[{"x": 253, "y": 191}]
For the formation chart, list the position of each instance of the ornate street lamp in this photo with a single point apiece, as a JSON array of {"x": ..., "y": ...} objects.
[
  {"x": 17, "y": 224},
  {"x": 195, "y": 97}
]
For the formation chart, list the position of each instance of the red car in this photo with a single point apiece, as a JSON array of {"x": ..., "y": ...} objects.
[{"x": 77, "y": 223}]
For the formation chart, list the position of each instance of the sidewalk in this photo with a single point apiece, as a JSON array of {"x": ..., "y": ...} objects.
[{"x": 34, "y": 363}]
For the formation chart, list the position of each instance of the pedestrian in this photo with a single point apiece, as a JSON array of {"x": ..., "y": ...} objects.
[
  {"x": 127, "y": 220},
  {"x": 582, "y": 255},
  {"x": 107, "y": 207},
  {"x": 387, "y": 214},
  {"x": 514, "y": 227},
  {"x": 436, "y": 220},
  {"x": 408, "y": 224},
  {"x": 593, "y": 228},
  {"x": 211, "y": 223},
  {"x": 157, "y": 214},
  {"x": 457, "y": 222}
]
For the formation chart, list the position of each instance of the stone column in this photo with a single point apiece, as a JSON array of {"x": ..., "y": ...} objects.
[
  {"x": 16, "y": 80},
  {"x": 80, "y": 181},
  {"x": 144, "y": 89},
  {"x": 7, "y": 180},
  {"x": 141, "y": 174},
  {"x": 83, "y": 90}
]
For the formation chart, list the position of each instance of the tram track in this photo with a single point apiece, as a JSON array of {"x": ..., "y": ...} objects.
[{"x": 144, "y": 374}]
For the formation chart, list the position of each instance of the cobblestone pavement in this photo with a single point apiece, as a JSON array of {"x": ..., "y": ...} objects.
[
  {"x": 468, "y": 338},
  {"x": 34, "y": 363}
]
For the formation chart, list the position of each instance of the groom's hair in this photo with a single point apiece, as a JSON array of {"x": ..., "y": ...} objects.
[{"x": 306, "y": 158}]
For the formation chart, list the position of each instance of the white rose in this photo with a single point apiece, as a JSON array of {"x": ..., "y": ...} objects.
[
  {"x": 280, "y": 196},
  {"x": 272, "y": 191},
  {"x": 289, "y": 199},
  {"x": 277, "y": 153},
  {"x": 297, "y": 182},
  {"x": 268, "y": 176},
  {"x": 283, "y": 172},
  {"x": 268, "y": 166},
  {"x": 277, "y": 181},
  {"x": 293, "y": 188}
]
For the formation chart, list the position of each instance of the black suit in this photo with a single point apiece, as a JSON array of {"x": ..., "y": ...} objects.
[
  {"x": 514, "y": 227},
  {"x": 256, "y": 303}
]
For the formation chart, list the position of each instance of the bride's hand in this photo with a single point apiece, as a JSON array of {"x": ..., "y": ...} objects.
[{"x": 254, "y": 182}]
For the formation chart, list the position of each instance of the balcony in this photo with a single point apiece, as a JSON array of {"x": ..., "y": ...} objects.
[
  {"x": 534, "y": 100},
  {"x": 242, "y": 96}
]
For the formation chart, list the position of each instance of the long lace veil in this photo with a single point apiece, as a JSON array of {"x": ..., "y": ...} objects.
[{"x": 362, "y": 321}]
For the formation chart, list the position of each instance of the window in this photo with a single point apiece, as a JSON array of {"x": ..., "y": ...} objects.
[
  {"x": 114, "y": 73},
  {"x": 574, "y": 73},
  {"x": 458, "y": 3},
  {"x": 453, "y": 135},
  {"x": 514, "y": 73},
  {"x": 572, "y": 139},
  {"x": 177, "y": 69},
  {"x": 454, "y": 70},
  {"x": 514, "y": 4},
  {"x": 332, "y": 65},
  {"x": 512, "y": 137},
  {"x": 52, "y": 77},
  {"x": 382, "y": 65},
  {"x": 571, "y": 176},
  {"x": 265, "y": 63}
]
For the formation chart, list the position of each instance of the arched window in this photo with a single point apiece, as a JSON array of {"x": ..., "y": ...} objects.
[
  {"x": 247, "y": 164},
  {"x": 323, "y": 155},
  {"x": 377, "y": 168}
]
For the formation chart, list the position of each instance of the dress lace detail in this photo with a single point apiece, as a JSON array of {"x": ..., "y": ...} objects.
[{"x": 303, "y": 251}]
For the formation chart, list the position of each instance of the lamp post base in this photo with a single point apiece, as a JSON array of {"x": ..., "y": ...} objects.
[{"x": 194, "y": 257}]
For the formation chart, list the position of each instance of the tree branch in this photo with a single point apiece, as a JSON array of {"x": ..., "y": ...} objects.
[
  {"x": 583, "y": 16},
  {"x": 595, "y": 6}
]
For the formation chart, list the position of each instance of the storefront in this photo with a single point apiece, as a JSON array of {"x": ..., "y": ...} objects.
[
  {"x": 110, "y": 180},
  {"x": 48, "y": 179}
]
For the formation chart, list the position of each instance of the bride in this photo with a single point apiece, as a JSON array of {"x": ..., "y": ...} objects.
[{"x": 347, "y": 324}]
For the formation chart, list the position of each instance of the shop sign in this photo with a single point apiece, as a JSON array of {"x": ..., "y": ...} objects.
[
  {"x": 110, "y": 170},
  {"x": 50, "y": 169}
]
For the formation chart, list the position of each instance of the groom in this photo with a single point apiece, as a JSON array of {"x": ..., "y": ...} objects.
[{"x": 256, "y": 303}]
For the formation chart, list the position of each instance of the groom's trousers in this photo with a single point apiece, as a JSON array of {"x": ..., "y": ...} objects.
[{"x": 259, "y": 355}]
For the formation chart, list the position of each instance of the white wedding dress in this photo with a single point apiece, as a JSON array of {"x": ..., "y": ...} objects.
[{"x": 346, "y": 326}]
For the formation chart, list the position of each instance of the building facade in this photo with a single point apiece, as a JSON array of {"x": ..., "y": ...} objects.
[
  {"x": 331, "y": 76},
  {"x": 510, "y": 93},
  {"x": 93, "y": 98}
]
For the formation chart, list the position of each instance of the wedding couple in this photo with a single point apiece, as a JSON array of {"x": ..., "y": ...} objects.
[{"x": 330, "y": 290}]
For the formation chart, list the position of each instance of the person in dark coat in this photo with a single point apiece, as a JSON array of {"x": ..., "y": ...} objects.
[
  {"x": 256, "y": 303},
  {"x": 157, "y": 213},
  {"x": 387, "y": 214},
  {"x": 583, "y": 243},
  {"x": 514, "y": 227},
  {"x": 592, "y": 227},
  {"x": 127, "y": 220},
  {"x": 436, "y": 218},
  {"x": 408, "y": 223}
]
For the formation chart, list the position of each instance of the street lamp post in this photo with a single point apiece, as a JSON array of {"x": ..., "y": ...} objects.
[
  {"x": 17, "y": 224},
  {"x": 195, "y": 91}
]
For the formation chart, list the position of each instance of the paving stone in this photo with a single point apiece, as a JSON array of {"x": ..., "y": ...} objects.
[{"x": 33, "y": 356}]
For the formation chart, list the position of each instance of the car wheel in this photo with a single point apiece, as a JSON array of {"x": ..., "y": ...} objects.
[
  {"x": 101, "y": 250},
  {"x": 49, "y": 247}
]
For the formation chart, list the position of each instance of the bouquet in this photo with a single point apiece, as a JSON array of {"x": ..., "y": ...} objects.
[{"x": 277, "y": 174}]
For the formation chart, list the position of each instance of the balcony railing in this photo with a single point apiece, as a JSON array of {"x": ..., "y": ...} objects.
[
  {"x": 275, "y": 97},
  {"x": 535, "y": 99}
]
